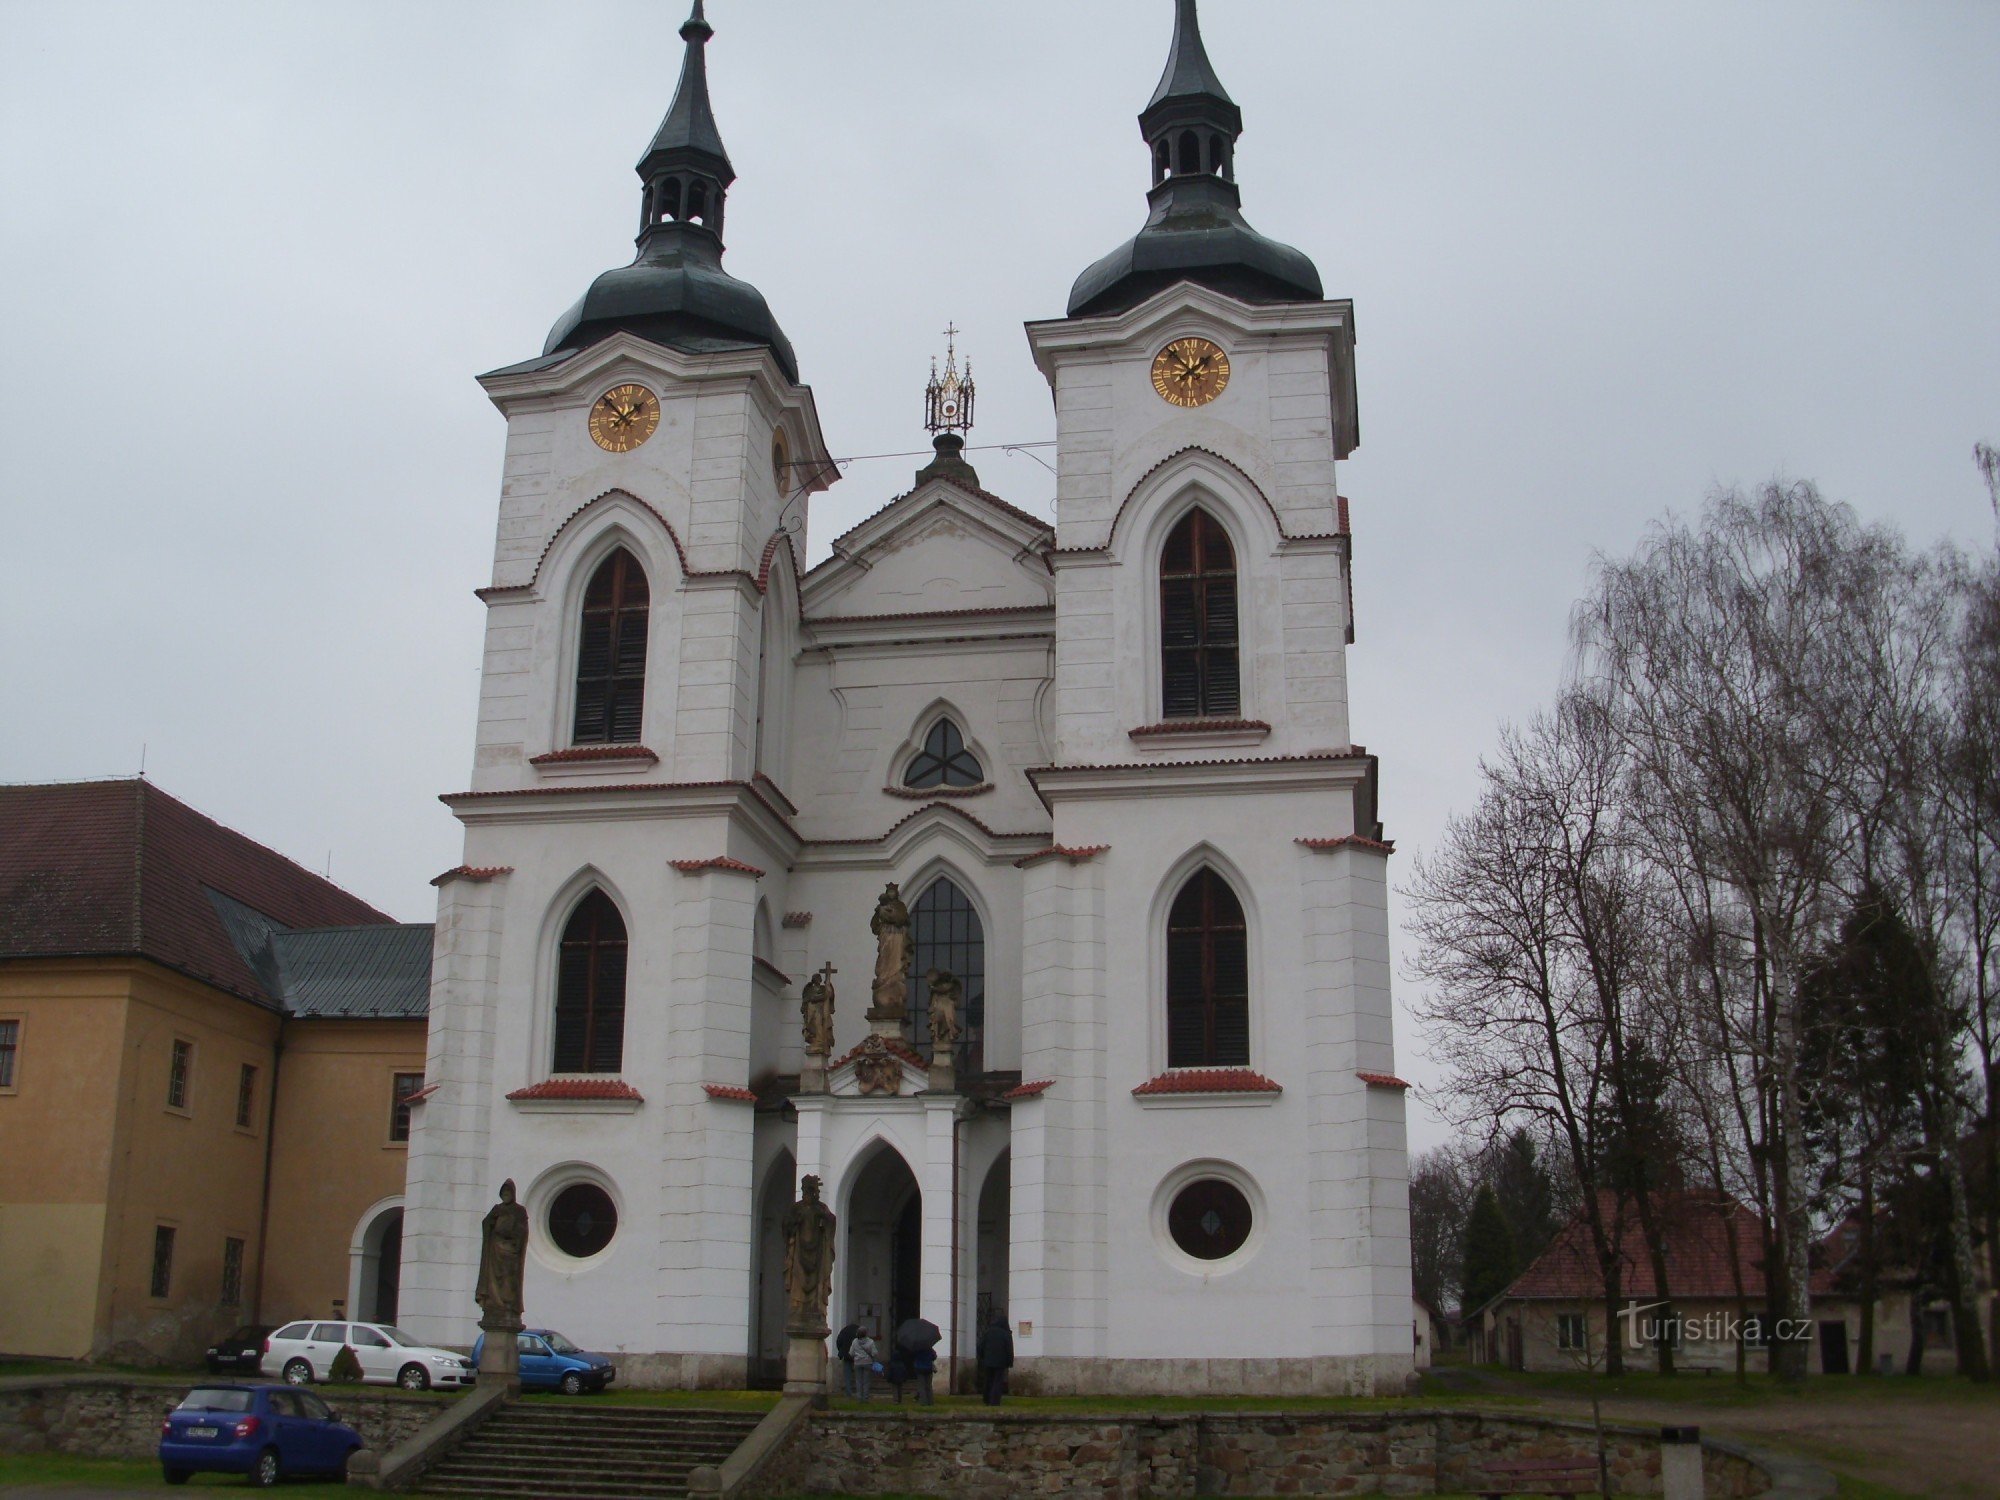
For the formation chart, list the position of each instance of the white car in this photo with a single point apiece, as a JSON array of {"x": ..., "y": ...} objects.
[{"x": 300, "y": 1353}]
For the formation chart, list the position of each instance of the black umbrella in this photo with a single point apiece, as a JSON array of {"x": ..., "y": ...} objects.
[{"x": 918, "y": 1333}]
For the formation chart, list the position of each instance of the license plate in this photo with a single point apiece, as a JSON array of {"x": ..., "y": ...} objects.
[{"x": 202, "y": 1431}]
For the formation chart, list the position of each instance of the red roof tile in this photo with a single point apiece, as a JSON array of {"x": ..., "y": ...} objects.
[
  {"x": 119, "y": 868},
  {"x": 1350, "y": 841},
  {"x": 730, "y": 1091},
  {"x": 797, "y": 919},
  {"x": 422, "y": 1094},
  {"x": 592, "y": 752},
  {"x": 472, "y": 872},
  {"x": 1029, "y": 1090},
  {"x": 1382, "y": 1080},
  {"x": 715, "y": 862},
  {"x": 903, "y": 1050},
  {"x": 1076, "y": 854},
  {"x": 1697, "y": 1252},
  {"x": 1197, "y": 726},
  {"x": 579, "y": 1088},
  {"x": 1208, "y": 1081}
]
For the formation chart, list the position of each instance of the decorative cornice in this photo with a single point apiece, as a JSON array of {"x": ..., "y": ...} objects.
[
  {"x": 1173, "y": 734},
  {"x": 716, "y": 862},
  {"x": 1075, "y": 854},
  {"x": 1157, "y": 777},
  {"x": 579, "y": 1089},
  {"x": 925, "y": 793},
  {"x": 586, "y": 753},
  {"x": 473, "y": 872},
  {"x": 1208, "y": 1081},
  {"x": 890, "y": 832}
]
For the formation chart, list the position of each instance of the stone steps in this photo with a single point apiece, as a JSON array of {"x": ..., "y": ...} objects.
[{"x": 559, "y": 1452}]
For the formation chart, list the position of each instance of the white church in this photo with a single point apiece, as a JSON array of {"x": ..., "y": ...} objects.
[{"x": 1107, "y": 763}]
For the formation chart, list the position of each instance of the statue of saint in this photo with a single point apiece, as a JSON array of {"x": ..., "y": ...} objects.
[
  {"x": 946, "y": 994},
  {"x": 809, "y": 1238},
  {"x": 816, "y": 1012},
  {"x": 503, "y": 1251},
  {"x": 891, "y": 926}
]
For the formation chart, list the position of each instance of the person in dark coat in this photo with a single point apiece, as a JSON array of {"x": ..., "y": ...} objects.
[
  {"x": 996, "y": 1357},
  {"x": 843, "y": 1350},
  {"x": 897, "y": 1373},
  {"x": 923, "y": 1363}
]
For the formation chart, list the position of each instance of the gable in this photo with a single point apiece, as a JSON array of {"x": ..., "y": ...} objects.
[{"x": 937, "y": 548}]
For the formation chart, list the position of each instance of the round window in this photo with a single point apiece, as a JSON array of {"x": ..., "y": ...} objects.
[
  {"x": 582, "y": 1220},
  {"x": 1210, "y": 1219}
]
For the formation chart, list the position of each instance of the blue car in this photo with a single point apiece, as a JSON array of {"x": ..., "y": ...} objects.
[
  {"x": 550, "y": 1362},
  {"x": 268, "y": 1432}
]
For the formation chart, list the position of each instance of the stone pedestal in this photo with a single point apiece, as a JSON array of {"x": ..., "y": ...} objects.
[
  {"x": 886, "y": 1024},
  {"x": 944, "y": 1074},
  {"x": 500, "y": 1355},
  {"x": 1680, "y": 1463},
  {"x": 805, "y": 1364},
  {"x": 812, "y": 1077}
]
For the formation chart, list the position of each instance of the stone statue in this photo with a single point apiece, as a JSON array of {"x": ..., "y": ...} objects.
[
  {"x": 891, "y": 926},
  {"x": 816, "y": 1012},
  {"x": 809, "y": 1241},
  {"x": 877, "y": 1070},
  {"x": 946, "y": 994},
  {"x": 503, "y": 1251}
]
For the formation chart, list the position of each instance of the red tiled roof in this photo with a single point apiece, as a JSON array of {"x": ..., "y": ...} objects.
[
  {"x": 1382, "y": 1080},
  {"x": 797, "y": 919},
  {"x": 1197, "y": 726},
  {"x": 903, "y": 1050},
  {"x": 1344, "y": 528},
  {"x": 119, "y": 868},
  {"x": 1029, "y": 1090},
  {"x": 422, "y": 1094},
  {"x": 1352, "y": 752},
  {"x": 730, "y": 1091},
  {"x": 1697, "y": 1252},
  {"x": 1075, "y": 854},
  {"x": 778, "y": 792},
  {"x": 1208, "y": 1081},
  {"x": 1350, "y": 841},
  {"x": 579, "y": 1088},
  {"x": 472, "y": 872},
  {"x": 749, "y": 788},
  {"x": 592, "y": 752},
  {"x": 932, "y": 614},
  {"x": 715, "y": 862},
  {"x": 918, "y": 813},
  {"x": 772, "y": 969}
]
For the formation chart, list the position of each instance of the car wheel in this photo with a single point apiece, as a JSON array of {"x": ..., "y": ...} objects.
[
  {"x": 174, "y": 1476},
  {"x": 572, "y": 1384},
  {"x": 298, "y": 1372},
  {"x": 413, "y": 1378},
  {"x": 266, "y": 1473}
]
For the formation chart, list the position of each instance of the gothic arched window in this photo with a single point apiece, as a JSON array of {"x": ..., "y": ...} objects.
[
  {"x": 1208, "y": 976},
  {"x": 944, "y": 760},
  {"x": 611, "y": 657},
  {"x": 945, "y": 934},
  {"x": 1199, "y": 676},
  {"x": 590, "y": 989}
]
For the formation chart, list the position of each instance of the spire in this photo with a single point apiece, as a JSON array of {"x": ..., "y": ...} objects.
[
  {"x": 688, "y": 132},
  {"x": 1189, "y": 74},
  {"x": 1190, "y": 99}
]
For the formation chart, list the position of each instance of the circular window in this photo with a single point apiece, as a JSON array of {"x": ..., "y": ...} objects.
[
  {"x": 1210, "y": 1219},
  {"x": 582, "y": 1220}
]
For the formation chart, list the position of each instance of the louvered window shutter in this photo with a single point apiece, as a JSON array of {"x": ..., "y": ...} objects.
[
  {"x": 590, "y": 989},
  {"x": 1199, "y": 675},
  {"x": 611, "y": 655},
  {"x": 1208, "y": 976}
]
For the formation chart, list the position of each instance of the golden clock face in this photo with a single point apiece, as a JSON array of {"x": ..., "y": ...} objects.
[
  {"x": 781, "y": 460},
  {"x": 624, "y": 417},
  {"x": 1190, "y": 372}
]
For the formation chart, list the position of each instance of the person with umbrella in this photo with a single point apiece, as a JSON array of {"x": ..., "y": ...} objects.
[{"x": 917, "y": 1338}]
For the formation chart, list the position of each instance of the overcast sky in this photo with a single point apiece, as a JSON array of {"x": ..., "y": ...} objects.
[{"x": 1602, "y": 258}]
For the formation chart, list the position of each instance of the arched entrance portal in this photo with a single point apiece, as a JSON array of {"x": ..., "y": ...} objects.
[
  {"x": 375, "y": 1263},
  {"x": 767, "y": 1275},
  {"x": 994, "y": 1204},
  {"x": 884, "y": 1249}
]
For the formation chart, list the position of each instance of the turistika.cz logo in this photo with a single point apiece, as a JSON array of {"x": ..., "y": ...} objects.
[{"x": 1642, "y": 1332}]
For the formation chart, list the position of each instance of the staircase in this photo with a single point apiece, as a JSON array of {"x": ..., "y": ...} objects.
[{"x": 546, "y": 1450}]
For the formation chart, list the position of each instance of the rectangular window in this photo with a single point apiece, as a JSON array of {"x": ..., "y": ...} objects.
[
  {"x": 246, "y": 1094},
  {"x": 163, "y": 1259},
  {"x": 10, "y": 1045},
  {"x": 1572, "y": 1331},
  {"x": 232, "y": 1272},
  {"x": 1937, "y": 1327},
  {"x": 405, "y": 1084},
  {"x": 177, "y": 1074}
]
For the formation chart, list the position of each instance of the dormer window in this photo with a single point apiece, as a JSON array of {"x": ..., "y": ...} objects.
[{"x": 944, "y": 760}]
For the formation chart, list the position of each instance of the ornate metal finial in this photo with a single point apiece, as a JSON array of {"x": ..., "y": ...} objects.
[{"x": 948, "y": 397}]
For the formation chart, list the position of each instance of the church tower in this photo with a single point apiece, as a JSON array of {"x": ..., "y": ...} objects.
[
  {"x": 592, "y": 980},
  {"x": 1219, "y": 1164}
]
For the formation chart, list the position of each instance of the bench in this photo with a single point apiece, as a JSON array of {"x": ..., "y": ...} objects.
[{"x": 1540, "y": 1476}]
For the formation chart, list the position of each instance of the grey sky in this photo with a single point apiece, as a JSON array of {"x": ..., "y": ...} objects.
[{"x": 1602, "y": 258}]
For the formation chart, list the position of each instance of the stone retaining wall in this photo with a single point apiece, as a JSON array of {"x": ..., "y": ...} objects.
[
  {"x": 1140, "y": 1458},
  {"x": 105, "y": 1417}
]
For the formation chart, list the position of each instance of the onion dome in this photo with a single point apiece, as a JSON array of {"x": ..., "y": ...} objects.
[
  {"x": 675, "y": 292},
  {"x": 1195, "y": 230}
]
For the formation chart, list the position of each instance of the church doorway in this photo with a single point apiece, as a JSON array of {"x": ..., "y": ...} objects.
[
  {"x": 378, "y": 1266},
  {"x": 767, "y": 1276},
  {"x": 884, "y": 1250},
  {"x": 991, "y": 1268}
]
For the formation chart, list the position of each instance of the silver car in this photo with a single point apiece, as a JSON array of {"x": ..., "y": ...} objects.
[{"x": 300, "y": 1353}]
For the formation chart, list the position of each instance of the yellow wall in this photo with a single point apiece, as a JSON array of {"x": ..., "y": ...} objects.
[{"x": 334, "y": 1158}]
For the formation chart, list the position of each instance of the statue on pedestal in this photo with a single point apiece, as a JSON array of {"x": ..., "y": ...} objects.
[
  {"x": 503, "y": 1254},
  {"x": 947, "y": 994},
  {"x": 816, "y": 1013},
  {"x": 809, "y": 1247},
  {"x": 891, "y": 926}
]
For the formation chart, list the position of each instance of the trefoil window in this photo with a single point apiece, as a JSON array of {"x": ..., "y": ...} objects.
[{"x": 944, "y": 760}]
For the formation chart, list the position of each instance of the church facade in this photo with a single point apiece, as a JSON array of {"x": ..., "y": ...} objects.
[{"x": 1106, "y": 764}]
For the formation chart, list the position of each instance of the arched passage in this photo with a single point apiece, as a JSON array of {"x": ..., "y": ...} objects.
[
  {"x": 375, "y": 1263},
  {"x": 990, "y": 1269},
  {"x": 767, "y": 1279},
  {"x": 884, "y": 1248}
]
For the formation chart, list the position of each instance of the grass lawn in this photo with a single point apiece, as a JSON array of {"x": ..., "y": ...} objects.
[{"x": 116, "y": 1473}]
